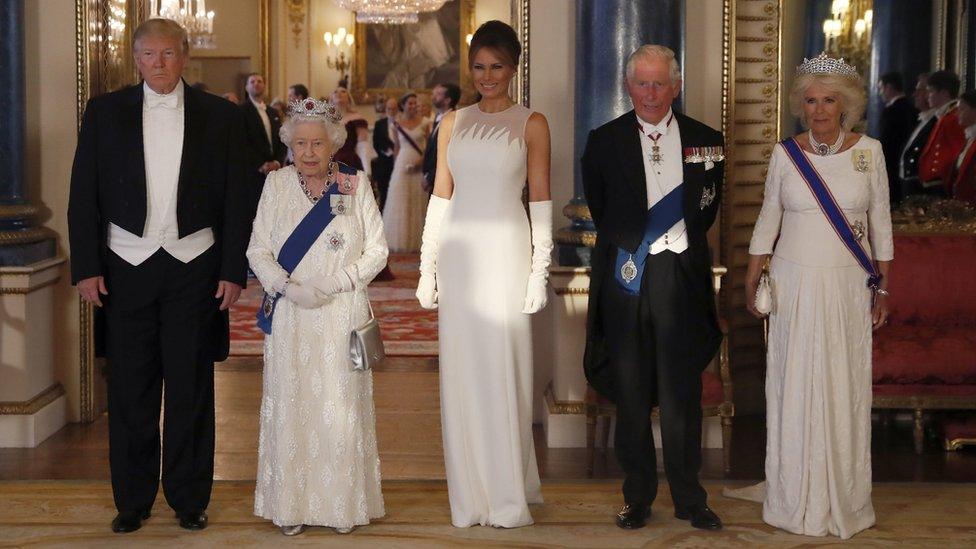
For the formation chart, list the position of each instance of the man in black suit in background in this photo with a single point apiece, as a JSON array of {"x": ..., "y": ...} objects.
[
  {"x": 158, "y": 223},
  {"x": 383, "y": 145},
  {"x": 265, "y": 151},
  {"x": 898, "y": 119},
  {"x": 445, "y": 99},
  {"x": 651, "y": 322}
]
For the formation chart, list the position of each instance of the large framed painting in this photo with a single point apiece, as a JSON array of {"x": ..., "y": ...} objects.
[{"x": 391, "y": 59}]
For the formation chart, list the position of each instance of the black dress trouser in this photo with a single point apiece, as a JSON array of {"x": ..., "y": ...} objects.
[
  {"x": 651, "y": 363},
  {"x": 160, "y": 318}
]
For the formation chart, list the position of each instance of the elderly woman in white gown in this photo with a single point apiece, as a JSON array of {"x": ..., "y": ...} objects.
[
  {"x": 317, "y": 462},
  {"x": 823, "y": 310}
]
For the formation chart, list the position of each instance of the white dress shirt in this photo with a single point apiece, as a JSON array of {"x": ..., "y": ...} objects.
[
  {"x": 663, "y": 177},
  {"x": 970, "y": 138},
  {"x": 923, "y": 119},
  {"x": 265, "y": 121},
  {"x": 162, "y": 137}
]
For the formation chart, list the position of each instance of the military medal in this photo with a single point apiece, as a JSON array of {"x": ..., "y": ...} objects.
[
  {"x": 628, "y": 271},
  {"x": 656, "y": 157},
  {"x": 336, "y": 240},
  {"x": 339, "y": 204},
  {"x": 708, "y": 196}
]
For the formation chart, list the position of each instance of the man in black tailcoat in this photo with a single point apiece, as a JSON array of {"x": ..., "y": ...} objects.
[
  {"x": 652, "y": 326},
  {"x": 158, "y": 223},
  {"x": 265, "y": 151},
  {"x": 898, "y": 119}
]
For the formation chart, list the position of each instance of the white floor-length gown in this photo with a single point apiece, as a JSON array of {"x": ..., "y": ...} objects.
[
  {"x": 818, "y": 371},
  {"x": 317, "y": 458},
  {"x": 483, "y": 265},
  {"x": 406, "y": 200}
]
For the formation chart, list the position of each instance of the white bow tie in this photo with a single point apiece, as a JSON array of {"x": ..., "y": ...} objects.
[{"x": 169, "y": 101}]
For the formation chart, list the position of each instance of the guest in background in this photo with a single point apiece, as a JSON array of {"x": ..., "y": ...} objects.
[
  {"x": 280, "y": 108},
  {"x": 962, "y": 181},
  {"x": 947, "y": 137},
  {"x": 897, "y": 122},
  {"x": 910, "y": 155},
  {"x": 264, "y": 149},
  {"x": 383, "y": 145},
  {"x": 445, "y": 99},
  {"x": 406, "y": 204},
  {"x": 356, "y": 151},
  {"x": 426, "y": 108},
  {"x": 297, "y": 92},
  {"x": 818, "y": 373},
  {"x": 317, "y": 458}
]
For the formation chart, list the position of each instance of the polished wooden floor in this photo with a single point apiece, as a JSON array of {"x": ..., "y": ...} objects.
[{"x": 408, "y": 433}]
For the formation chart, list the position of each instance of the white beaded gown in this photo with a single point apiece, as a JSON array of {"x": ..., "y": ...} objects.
[
  {"x": 406, "y": 199},
  {"x": 483, "y": 265},
  {"x": 818, "y": 371},
  {"x": 317, "y": 458}
]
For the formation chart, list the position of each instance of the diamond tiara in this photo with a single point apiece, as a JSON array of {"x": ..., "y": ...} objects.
[
  {"x": 822, "y": 64},
  {"x": 313, "y": 108}
]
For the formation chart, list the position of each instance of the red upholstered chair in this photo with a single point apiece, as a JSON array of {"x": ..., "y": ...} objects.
[
  {"x": 716, "y": 397},
  {"x": 925, "y": 359}
]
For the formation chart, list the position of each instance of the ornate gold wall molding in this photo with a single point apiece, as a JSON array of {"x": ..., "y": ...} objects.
[
  {"x": 555, "y": 406},
  {"x": 520, "y": 21},
  {"x": 297, "y": 9},
  {"x": 33, "y": 405}
]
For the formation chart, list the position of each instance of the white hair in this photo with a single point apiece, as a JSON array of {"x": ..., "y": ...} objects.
[
  {"x": 335, "y": 131},
  {"x": 654, "y": 51}
]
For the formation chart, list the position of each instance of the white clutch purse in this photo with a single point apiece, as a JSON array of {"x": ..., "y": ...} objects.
[{"x": 764, "y": 295}]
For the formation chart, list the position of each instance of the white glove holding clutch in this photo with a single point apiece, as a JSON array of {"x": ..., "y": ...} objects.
[
  {"x": 302, "y": 296},
  {"x": 335, "y": 283},
  {"x": 427, "y": 287},
  {"x": 536, "y": 297}
]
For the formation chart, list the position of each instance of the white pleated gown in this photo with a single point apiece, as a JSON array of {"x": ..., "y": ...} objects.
[
  {"x": 406, "y": 199},
  {"x": 484, "y": 261},
  {"x": 818, "y": 371}
]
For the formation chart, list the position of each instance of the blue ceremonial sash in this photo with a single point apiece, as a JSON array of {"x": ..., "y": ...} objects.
[
  {"x": 830, "y": 209},
  {"x": 298, "y": 243},
  {"x": 661, "y": 217}
]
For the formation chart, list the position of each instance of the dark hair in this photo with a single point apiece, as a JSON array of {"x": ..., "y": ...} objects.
[
  {"x": 969, "y": 98},
  {"x": 300, "y": 90},
  {"x": 894, "y": 80},
  {"x": 499, "y": 37},
  {"x": 944, "y": 81},
  {"x": 453, "y": 92},
  {"x": 402, "y": 103}
]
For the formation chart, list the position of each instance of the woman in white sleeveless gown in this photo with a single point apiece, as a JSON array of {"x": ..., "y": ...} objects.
[
  {"x": 487, "y": 269},
  {"x": 406, "y": 200},
  {"x": 818, "y": 370}
]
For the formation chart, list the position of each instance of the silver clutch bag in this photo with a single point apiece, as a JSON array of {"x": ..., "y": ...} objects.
[
  {"x": 764, "y": 295},
  {"x": 366, "y": 344}
]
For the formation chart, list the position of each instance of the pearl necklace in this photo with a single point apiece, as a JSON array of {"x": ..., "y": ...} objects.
[
  {"x": 822, "y": 148},
  {"x": 329, "y": 179}
]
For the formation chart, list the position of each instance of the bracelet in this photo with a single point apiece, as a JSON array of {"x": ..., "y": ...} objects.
[{"x": 881, "y": 291}]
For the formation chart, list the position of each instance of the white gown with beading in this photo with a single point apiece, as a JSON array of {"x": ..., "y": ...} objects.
[
  {"x": 317, "y": 458},
  {"x": 406, "y": 200},
  {"x": 818, "y": 370},
  {"x": 483, "y": 265}
]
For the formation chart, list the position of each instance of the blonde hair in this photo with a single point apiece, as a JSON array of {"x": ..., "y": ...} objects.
[
  {"x": 654, "y": 51},
  {"x": 166, "y": 28},
  {"x": 853, "y": 98}
]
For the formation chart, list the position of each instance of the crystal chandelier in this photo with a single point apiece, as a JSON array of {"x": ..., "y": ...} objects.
[
  {"x": 192, "y": 15},
  {"x": 389, "y": 12}
]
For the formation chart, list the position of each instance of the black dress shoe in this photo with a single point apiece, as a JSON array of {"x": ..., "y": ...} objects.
[
  {"x": 128, "y": 522},
  {"x": 701, "y": 517},
  {"x": 193, "y": 521},
  {"x": 633, "y": 516}
]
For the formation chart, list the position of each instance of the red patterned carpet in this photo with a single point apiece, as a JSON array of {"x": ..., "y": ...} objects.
[{"x": 407, "y": 329}]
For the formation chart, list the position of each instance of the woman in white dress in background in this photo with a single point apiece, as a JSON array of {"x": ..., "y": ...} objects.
[
  {"x": 317, "y": 458},
  {"x": 406, "y": 200},
  {"x": 818, "y": 370},
  {"x": 487, "y": 268}
]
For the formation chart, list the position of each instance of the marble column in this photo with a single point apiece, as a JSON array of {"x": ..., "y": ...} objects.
[
  {"x": 607, "y": 32},
  {"x": 21, "y": 241}
]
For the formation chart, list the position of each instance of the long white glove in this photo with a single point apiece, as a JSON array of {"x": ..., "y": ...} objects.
[
  {"x": 427, "y": 287},
  {"x": 335, "y": 283},
  {"x": 301, "y": 295},
  {"x": 540, "y": 214}
]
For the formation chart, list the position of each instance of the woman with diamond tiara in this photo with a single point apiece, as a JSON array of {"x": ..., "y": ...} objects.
[
  {"x": 317, "y": 242},
  {"x": 826, "y": 223}
]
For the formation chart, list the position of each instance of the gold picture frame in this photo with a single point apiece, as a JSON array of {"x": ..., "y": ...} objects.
[{"x": 364, "y": 94}]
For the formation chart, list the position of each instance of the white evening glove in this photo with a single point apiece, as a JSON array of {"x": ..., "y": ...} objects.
[
  {"x": 427, "y": 287},
  {"x": 540, "y": 214},
  {"x": 335, "y": 283},
  {"x": 302, "y": 296}
]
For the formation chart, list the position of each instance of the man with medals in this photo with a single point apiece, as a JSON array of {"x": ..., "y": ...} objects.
[{"x": 653, "y": 182}]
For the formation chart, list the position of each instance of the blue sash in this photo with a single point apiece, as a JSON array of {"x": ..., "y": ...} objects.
[
  {"x": 830, "y": 209},
  {"x": 298, "y": 243},
  {"x": 661, "y": 217}
]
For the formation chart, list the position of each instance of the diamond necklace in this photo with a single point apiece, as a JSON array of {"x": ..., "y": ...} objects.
[
  {"x": 329, "y": 179},
  {"x": 822, "y": 148}
]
